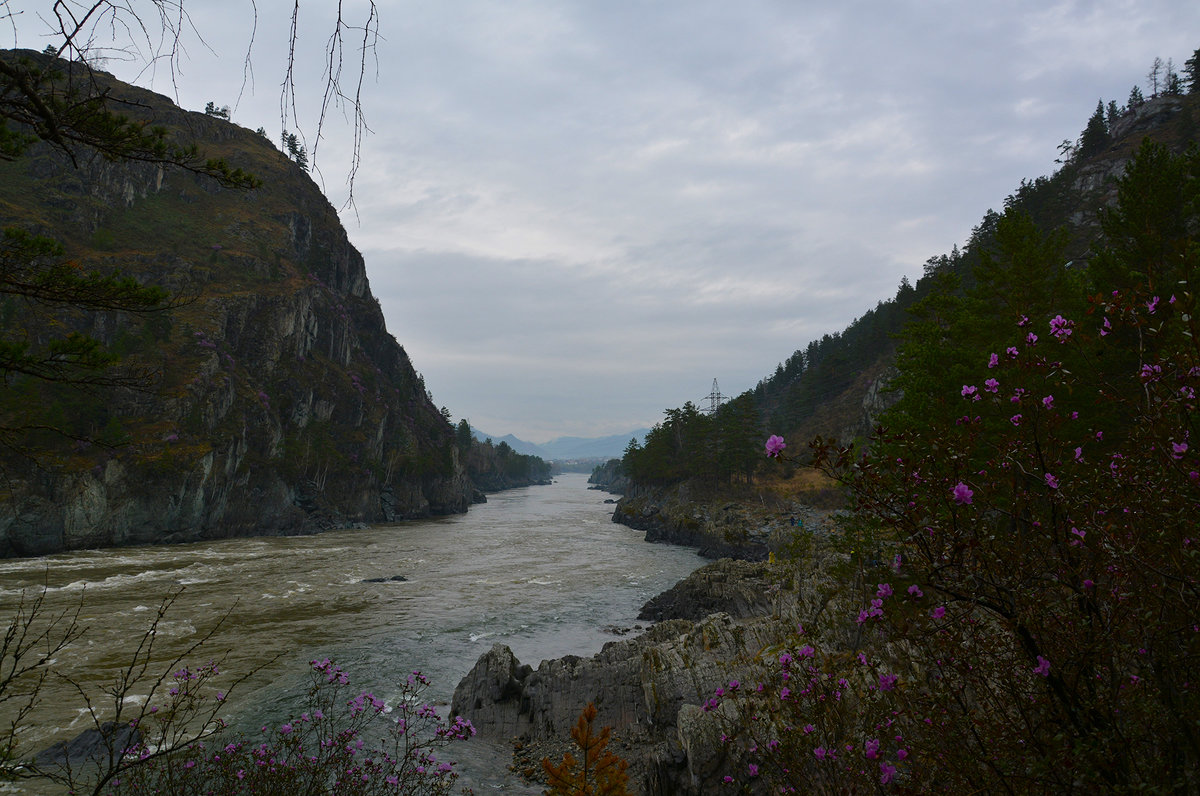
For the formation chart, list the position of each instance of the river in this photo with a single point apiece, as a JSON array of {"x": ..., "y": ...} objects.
[{"x": 541, "y": 569}]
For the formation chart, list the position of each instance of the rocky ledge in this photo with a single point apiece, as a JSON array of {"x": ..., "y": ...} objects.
[
  {"x": 649, "y": 689},
  {"x": 718, "y": 529}
]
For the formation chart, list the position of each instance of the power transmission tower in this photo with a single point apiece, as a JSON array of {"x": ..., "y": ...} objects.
[{"x": 715, "y": 399}]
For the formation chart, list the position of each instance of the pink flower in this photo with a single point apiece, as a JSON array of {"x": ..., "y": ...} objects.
[
  {"x": 1043, "y": 667},
  {"x": 1031, "y": 339},
  {"x": 1051, "y": 481},
  {"x": 962, "y": 494},
  {"x": 993, "y": 361},
  {"x": 775, "y": 446},
  {"x": 1178, "y": 449},
  {"x": 1012, "y": 352},
  {"x": 939, "y": 612},
  {"x": 915, "y": 591},
  {"x": 970, "y": 391},
  {"x": 871, "y": 748},
  {"x": 992, "y": 386},
  {"x": 1106, "y": 328},
  {"x": 886, "y": 772},
  {"x": 1060, "y": 327},
  {"x": 888, "y": 681},
  {"x": 1152, "y": 305},
  {"x": 1015, "y": 419},
  {"x": 884, "y": 590},
  {"x": 1048, "y": 402}
]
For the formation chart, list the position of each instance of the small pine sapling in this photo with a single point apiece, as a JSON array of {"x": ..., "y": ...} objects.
[{"x": 601, "y": 773}]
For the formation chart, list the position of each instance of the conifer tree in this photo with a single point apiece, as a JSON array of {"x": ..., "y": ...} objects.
[
  {"x": 1095, "y": 135},
  {"x": 1155, "y": 77},
  {"x": 1191, "y": 67},
  {"x": 600, "y": 773}
]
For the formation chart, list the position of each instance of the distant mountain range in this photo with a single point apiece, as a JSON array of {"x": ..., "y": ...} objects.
[{"x": 567, "y": 448}]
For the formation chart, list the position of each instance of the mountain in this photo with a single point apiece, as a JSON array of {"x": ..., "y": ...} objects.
[
  {"x": 276, "y": 401},
  {"x": 567, "y": 448},
  {"x": 610, "y": 447},
  {"x": 838, "y": 386},
  {"x": 841, "y": 386}
]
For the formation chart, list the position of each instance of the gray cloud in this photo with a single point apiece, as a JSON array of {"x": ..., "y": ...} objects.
[{"x": 576, "y": 214}]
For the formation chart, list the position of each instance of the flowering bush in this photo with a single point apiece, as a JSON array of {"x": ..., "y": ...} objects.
[
  {"x": 1038, "y": 628},
  {"x": 343, "y": 742}
]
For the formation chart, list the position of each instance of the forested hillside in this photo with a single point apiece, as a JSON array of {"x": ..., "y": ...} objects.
[{"x": 1043, "y": 243}]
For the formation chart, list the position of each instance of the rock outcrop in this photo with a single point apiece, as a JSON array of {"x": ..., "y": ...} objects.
[
  {"x": 651, "y": 689},
  {"x": 716, "y": 528},
  {"x": 738, "y": 588},
  {"x": 609, "y": 477},
  {"x": 277, "y": 402}
]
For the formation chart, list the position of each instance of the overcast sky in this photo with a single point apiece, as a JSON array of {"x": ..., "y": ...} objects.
[{"x": 578, "y": 214}]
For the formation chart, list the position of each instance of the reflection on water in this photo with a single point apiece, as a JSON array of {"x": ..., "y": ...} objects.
[{"x": 541, "y": 569}]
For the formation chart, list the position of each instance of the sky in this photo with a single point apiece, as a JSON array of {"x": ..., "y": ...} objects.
[{"x": 576, "y": 215}]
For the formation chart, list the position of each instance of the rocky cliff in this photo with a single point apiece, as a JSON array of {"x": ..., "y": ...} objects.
[{"x": 277, "y": 400}]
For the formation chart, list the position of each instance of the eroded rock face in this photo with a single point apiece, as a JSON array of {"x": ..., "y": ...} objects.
[{"x": 278, "y": 401}]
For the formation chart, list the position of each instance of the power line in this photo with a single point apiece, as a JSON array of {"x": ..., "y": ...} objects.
[{"x": 715, "y": 399}]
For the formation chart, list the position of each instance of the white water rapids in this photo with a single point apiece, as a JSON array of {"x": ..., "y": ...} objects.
[{"x": 541, "y": 569}]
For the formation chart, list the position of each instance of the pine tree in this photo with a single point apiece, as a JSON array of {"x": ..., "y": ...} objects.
[
  {"x": 1135, "y": 98},
  {"x": 601, "y": 773},
  {"x": 1095, "y": 135},
  {"x": 1192, "y": 68},
  {"x": 1111, "y": 114}
]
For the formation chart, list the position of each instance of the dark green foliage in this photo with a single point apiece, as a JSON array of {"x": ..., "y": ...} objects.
[
  {"x": 492, "y": 466},
  {"x": 61, "y": 103},
  {"x": 1095, "y": 135},
  {"x": 1149, "y": 233},
  {"x": 295, "y": 150},
  {"x": 720, "y": 448},
  {"x": 462, "y": 435},
  {"x": 1191, "y": 68},
  {"x": 1111, "y": 114},
  {"x": 34, "y": 269}
]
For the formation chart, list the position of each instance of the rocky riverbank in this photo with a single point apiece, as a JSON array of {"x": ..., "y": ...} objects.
[
  {"x": 717, "y": 528},
  {"x": 711, "y": 627}
]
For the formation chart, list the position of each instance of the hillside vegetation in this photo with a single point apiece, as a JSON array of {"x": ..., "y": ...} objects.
[{"x": 1011, "y": 600}]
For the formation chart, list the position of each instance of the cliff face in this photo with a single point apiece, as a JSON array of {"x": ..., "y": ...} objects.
[{"x": 278, "y": 402}]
